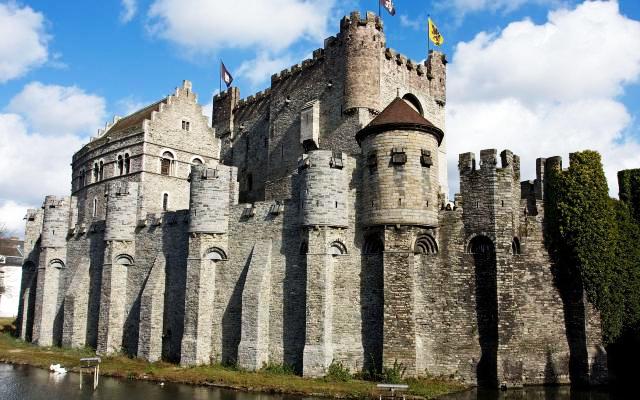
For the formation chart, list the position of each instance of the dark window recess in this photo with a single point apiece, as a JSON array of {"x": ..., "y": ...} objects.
[
  {"x": 165, "y": 166},
  {"x": 185, "y": 125},
  {"x": 425, "y": 159},
  {"x": 336, "y": 160},
  {"x": 127, "y": 163},
  {"x": 165, "y": 202},
  {"x": 398, "y": 156},
  {"x": 372, "y": 161},
  {"x": 249, "y": 182}
]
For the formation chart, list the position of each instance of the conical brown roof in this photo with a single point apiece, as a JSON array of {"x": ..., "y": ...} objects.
[{"x": 399, "y": 115}]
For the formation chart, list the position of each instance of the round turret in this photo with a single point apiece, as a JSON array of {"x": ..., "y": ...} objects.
[
  {"x": 209, "y": 202},
  {"x": 120, "y": 221},
  {"x": 55, "y": 225},
  {"x": 400, "y": 180},
  {"x": 364, "y": 45},
  {"x": 325, "y": 189}
]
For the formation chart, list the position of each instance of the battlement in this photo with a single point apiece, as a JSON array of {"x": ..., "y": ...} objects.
[
  {"x": 56, "y": 202},
  {"x": 258, "y": 97},
  {"x": 402, "y": 60},
  {"x": 489, "y": 161},
  {"x": 318, "y": 55},
  {"x": 355, "y": 21}
]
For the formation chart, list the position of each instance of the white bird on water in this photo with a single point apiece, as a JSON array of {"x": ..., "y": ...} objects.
[{"x": 57, "y": 369}]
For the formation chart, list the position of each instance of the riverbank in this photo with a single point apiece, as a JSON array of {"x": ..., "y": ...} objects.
[{"x": 274, "y": 379}]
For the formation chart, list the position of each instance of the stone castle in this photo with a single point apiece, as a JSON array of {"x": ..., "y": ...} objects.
[{"x": 308, "y": 224}]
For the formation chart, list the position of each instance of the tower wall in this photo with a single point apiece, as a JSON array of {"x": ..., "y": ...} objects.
[
  {"x": 404, "y": 194},
  {"x": 55, "y": 222},
  {"x": 122, "y": 204},
  {"x": 364, "y": 45},
  {"x": 210, "y": 197},
  {"x": 325, "y": 189}
]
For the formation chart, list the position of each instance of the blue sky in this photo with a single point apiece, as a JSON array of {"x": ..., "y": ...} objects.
[{"x": 538, "y": 76}]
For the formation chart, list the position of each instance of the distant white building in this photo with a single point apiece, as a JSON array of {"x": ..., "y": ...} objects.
[{"x": 11, "y": 256}]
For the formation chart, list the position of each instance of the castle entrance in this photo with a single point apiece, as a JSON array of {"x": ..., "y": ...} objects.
[{"x": 484, "y": 257}]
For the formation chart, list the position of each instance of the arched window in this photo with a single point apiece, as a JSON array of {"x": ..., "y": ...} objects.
[
  {"x": 94, "y": 213},
  {"x": 373, "y": 245},
  {"x": 81, "y": 179},
  {"x": 166, "y": 163},
  {"x": 196, "y": 161},
  {"x": 120, "y": 165},
  {"x": 101, "y": 171},
  {"x": 215, "y": 254},
  {"x": 515, "y": 247},
  {"x": 413, "y": 101},
  {"x": 57, "y": 264},
  {"x": 481, "y": 246},
  {"x": 337, "y": 249},
  {"x": 125, "y": 260},
  {"x": 425, "y": 244},
  {"x": 127, "y": 163},
  {"x": 96, "y": 172},
  {"x": 165, "y": 201}
]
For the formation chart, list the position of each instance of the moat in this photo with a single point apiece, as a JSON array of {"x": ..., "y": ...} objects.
[{"x": 29, "y": 383}]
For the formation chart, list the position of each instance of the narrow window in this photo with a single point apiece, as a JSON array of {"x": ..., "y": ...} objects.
[
  {"x": 249, "y": 182},
  {"x": 95, "y": 207},
  {"x": 127, "y": 163},
  {"x": 101, "y": 171},
  {"x": 120, "y": 165},
  {"x": 185, "y": 125},
  {"x": 95, "y": 172},
  {"x": 165, "y": 202},
  {"x": 165, "y": 163}
]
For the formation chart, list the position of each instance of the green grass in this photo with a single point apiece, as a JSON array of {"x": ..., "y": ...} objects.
[{"x": 273, "y": 378}]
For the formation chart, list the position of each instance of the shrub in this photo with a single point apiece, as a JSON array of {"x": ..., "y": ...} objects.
[{"x": 337, "y": 372}]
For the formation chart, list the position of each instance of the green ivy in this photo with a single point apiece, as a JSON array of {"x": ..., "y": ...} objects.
[
  {"x": 629, "y": 190},
  {"x": 589, "y": 235}
]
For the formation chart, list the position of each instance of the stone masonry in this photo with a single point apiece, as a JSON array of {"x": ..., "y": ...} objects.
[{"x": 308, "y": 223}]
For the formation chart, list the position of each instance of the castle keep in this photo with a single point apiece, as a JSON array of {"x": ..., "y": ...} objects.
[{"x": 308, "y": 224}]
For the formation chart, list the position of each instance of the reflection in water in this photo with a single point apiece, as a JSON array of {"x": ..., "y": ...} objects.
[{"x": 28, "y": 383}]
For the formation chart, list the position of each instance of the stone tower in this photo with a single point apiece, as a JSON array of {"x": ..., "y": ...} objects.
[
  {"x": 324, "y": 215},
  {"x": 47, "y": 325},
  {"x": 364, "y": 45},
  {"x": 208, "y": 245},
  {"x": 400, "y": 203}
]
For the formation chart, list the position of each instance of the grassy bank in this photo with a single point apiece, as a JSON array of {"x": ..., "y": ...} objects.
[{"x": 269, "y": 380}]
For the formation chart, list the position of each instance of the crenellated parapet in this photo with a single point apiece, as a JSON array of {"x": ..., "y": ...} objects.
[
  {"x": 56, "y": 220},
  {"x": 210, "y": 199},
  {"x": 122, "y": 207},
  {"x": 317, "y": 57},
  {"x": 325, "y": 189}
]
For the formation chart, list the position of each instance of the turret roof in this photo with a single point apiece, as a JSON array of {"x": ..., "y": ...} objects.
[{"x": 399, "y": 115}]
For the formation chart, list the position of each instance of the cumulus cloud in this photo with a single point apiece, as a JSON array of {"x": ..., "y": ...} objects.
[
  {"x": 202, "y": 25},
  {"x": 415, "y": 24},
  {"x": 129, "y": 9},
  {"x": 39, "y": 132},
  {"x": 23, "y": 40},
  {"x": 263, "y": 66},
  {"x": 56, "y": 110},
  {"x": 542, "y": 90}
]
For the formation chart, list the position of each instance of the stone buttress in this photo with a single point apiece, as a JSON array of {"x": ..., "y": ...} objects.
[
  {"x": 119, "y": 237},
  {"x": 211, "y": 196},
  {"x": 48, "y": 312},
  {"x": 324, "y": 215}
]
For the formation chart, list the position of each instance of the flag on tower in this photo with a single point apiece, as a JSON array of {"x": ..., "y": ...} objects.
[
  {"x": 225, "y": 75},
  {"x": 434, "y": 34},
  {"x": 388, "y": 4}
]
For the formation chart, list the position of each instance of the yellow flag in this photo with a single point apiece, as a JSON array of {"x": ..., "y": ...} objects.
[{"x": 434, "y": 34}]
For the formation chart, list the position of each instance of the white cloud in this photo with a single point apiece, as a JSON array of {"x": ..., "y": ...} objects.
[
  {"x": 550, "y": 89},
  {"x": 57, "y": 110},
  {"x": 259, "y": 69},
  {"x": 462, "y": 7},
  {"x": 33, "y": 165},
  {"x": 42, "y": 128},
  {"x": 129, "y": 105},
  {"x": 202, "y": 25},
  {"x": 129, "y": 9},
  {"x": 12, "y": 217},
  {"x": 23, "y": 41},
  {"x": 415, "y": 24}
]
